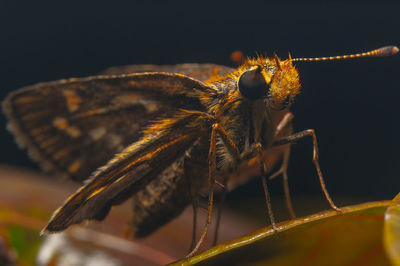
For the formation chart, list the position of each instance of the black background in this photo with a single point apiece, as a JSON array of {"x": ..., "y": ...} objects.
[{"x": 352, "y": 105}]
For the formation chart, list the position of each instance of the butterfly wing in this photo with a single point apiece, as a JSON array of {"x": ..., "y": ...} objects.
[
  {"x": 200, "y": 72},
  {"x": 125, "y": 174},
  {"x": 74, "y": 126}
]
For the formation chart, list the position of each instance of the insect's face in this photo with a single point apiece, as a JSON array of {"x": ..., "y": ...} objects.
[{"x": 271, "y": 79}]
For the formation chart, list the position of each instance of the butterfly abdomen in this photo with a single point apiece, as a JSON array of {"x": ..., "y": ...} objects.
[
  {"x": 161, "y": 200},
  {"x": 165, "y": 197}
]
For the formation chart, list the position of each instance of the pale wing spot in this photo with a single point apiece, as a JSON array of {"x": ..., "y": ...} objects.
[
  {"x": 151, "y": 106},
  {"x": 126, "y": 99},
  {"x": 60, "y": 123},
  {"x": 73, "y": 132},
  {"x": 134, "y": 99},
  {"x": 97, "y": 133},
  {"x": 73, "y": 100},
  {"x": 75, "y": 166}
]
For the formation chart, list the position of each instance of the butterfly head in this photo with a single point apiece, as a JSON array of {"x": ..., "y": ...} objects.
[{"x": 269, "y": 79}]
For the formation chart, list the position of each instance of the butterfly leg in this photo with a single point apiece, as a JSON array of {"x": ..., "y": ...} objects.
[
  {"x": 263, "y": 172},
  {"x": 195, "y": 204},
  {"x": 234, "y": 151},
  {"x": 283, "y": 171},
  {"x": 285, "y": 123},
  {"x": 219, "y": 209},
  {"x": 259, "y": 153},
  {"x": 300, "y": 135},
  {"x": 212, "y": 165}
]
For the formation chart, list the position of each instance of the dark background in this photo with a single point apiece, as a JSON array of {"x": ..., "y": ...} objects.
[{"x": 352, "y": 105}]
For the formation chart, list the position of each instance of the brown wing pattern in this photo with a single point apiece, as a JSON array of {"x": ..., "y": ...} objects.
[
  {"x": 201, "y": 72},
  {"x": 74, "y": 126}
]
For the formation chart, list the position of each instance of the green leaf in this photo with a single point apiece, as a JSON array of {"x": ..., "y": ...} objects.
[
  {"x": 353, "y": 237},
  {"x": 25, "y": 243}
]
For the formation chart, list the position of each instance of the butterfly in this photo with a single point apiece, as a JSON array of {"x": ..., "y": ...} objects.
[{"x": 159, "y": 135}]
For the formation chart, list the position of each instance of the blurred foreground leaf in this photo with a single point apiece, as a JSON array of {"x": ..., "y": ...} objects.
[
  {"x": 27, "y": 200},
  {"x": 26, "y": 203},
  {"x": 392, "y": 231},
  {"x": 358, "y": 236},
  {"x": 354, "y": 237}
]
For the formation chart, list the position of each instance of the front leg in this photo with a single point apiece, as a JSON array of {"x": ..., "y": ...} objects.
[
  {"x": 259, "y": 151},
  {"x": 300, "y": 135}
]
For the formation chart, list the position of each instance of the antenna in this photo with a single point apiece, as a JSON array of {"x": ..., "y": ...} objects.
[{"x": 383, "y": 51}]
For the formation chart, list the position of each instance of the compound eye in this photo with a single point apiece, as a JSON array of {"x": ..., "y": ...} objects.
[{"x": 252, "y": 84}]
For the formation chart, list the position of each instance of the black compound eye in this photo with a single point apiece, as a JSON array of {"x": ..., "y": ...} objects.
[{"x": 252, "y": 84}]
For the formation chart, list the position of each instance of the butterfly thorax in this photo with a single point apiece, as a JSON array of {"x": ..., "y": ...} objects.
[{"x": 245, "y": 104}]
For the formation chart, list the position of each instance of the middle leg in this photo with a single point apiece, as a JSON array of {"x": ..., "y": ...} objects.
[
  {"x": 212, "y": 167},
  {"x": 300, "y": 135}
]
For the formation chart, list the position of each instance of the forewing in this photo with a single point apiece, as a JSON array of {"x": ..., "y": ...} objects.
[
  {"x": 201, "y": 72},
  {"x": 127, "y": 173},
  {"x": 74, "y": 126}
]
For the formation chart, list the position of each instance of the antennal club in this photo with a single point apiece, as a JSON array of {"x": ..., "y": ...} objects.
[{"x": 383, "y": 51}]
